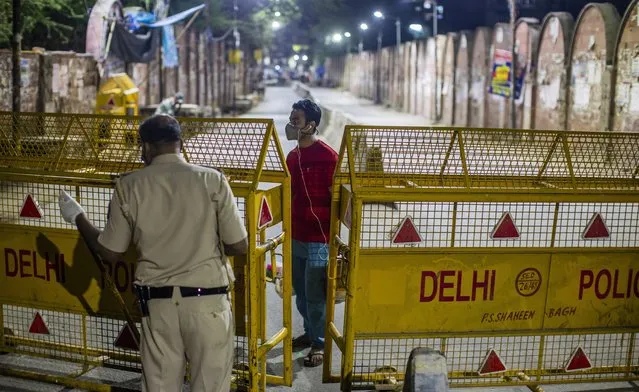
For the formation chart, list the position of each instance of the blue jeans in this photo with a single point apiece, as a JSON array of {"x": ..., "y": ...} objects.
[{"x": 309, "y": 282}]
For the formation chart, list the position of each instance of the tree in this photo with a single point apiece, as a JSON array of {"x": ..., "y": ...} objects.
[{"x": 53, "y": 24}]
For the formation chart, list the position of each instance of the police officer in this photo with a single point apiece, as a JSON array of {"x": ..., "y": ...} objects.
[
  {"x": 183, "y": 219},
  {"x": 171, "y": 105}
]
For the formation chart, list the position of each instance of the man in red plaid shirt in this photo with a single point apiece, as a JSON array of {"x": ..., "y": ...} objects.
[{"x": 312, "y": 165}]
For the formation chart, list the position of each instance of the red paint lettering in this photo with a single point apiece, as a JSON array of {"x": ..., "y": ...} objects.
[
  {"x": 432, "y": 276},
  {"x": 132, "y": 266},
  {"x": 460, "y": 297},
  {"x": 24, "y": 263},
  {"x": 615, "y": 294},
  {"x": 583, "y": 284},
  {"x": 608, "y": 284},
  {"x": 108, "y": 269},
  {"x": 480, "y": 285},
  {"x": 63, "y": 276},
  {"x": 11, "y": 268},
  {"x": 121, "y": 284},
  {"x": 52, "y": 264},
  {"x": 443, "y": 285},
  {"x": 35, "y": 268},
  {"x": 598, "y": 293},
  {"x": 440, "y": 286}
]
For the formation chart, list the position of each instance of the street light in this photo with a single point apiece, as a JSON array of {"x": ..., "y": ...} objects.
[
  {"x": 362, "y": 28},
  {"x": 347, "y": 35},
  {"x": 296, "y": 57},
  {"x": 276, "y": 25},
  {"x": 416, "y": 27},
  {"x": 398, "y": 29},
  {"x": 432, "y": 4},
  {"x": 337, "y": 38},
  {"x": 305, "y": 58},
  {"x": 278, "y": 13}
]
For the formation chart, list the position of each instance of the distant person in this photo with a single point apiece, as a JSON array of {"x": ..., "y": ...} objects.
[
  {"x": 320, "y": 71},
  {"x": 311, "y": 164},
  {"x": 171, "y": 105}
]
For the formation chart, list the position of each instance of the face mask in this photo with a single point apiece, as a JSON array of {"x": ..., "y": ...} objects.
[{"x": 293, "y": 133}]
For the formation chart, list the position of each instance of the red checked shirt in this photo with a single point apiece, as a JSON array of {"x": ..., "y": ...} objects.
[{"x": 318, "y": 163}]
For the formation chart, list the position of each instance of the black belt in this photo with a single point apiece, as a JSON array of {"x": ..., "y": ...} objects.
[{"x": 149, "y": 293}]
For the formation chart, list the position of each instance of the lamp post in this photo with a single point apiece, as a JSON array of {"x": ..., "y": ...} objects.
[
  {"x": 362, "y": 28},
  {"x": 513, "y": 106},
  {"x": 435, "y": 14},
  {"x": 398, "y": 26},
  {"x": 347, "y": 35}
]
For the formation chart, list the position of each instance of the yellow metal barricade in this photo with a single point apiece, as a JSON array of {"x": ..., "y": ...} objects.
[
  {"x": 516, "y": 257},
  {"x": 53, "y": 296}
]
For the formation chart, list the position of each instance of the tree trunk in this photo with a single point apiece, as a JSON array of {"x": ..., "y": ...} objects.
[{"x": 15, "y": 54}]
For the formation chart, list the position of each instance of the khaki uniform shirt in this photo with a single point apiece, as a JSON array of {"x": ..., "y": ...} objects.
[{"x": 176, "y": 208}]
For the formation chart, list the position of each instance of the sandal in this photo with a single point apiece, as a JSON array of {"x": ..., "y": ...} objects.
[
  {"x": 314, "y": 358},
  {"x": 301, "y": 342}
]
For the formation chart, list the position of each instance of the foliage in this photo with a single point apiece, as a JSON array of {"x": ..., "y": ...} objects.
[
  {"x": 54, "y": 24},
  {"x": 61, "y": 24}
]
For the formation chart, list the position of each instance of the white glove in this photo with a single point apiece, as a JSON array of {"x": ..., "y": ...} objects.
[{"x": 69, "y": 208}]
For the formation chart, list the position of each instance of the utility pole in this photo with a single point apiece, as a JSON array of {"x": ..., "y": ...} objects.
[
  {"x": 16, "y": 42},
  {"x": 236, "y": 36},
  {"x": 378, "y": 98},
  {"x": 435, "y": 14},
  {"x": 513, "y": 106}
]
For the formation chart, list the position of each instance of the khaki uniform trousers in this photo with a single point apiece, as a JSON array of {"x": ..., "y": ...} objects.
[{"x": 200, "y": 327}]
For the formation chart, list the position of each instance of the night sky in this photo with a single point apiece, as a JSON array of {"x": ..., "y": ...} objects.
[{"x": 458, "y": 14}]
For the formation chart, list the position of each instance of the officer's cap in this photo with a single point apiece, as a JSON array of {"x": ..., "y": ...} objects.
[{"x": 160, "y": 128}]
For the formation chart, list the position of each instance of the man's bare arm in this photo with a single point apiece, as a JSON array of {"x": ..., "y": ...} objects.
[
  {"x": 237, "y": 249},
  {"x": 90, "y": 234}
]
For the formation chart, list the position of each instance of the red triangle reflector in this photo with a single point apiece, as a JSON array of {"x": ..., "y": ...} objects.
[
  {"x": 596, "y": 228},
  {"x": 505, "y": 228},
  {"x": 30, "y": 208},
  {"x": 265, "y": 214},
  {"x": 578, "y": 361},
  {"x": 407, "y": 233},
  {"x": 492, "y": 364},
  {"x": 126, "y": 339},
  {"x": 111, "y": 102},
  {"x": 38, "y": 325}
]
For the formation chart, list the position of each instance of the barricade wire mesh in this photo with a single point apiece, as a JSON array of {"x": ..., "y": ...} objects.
[
  {"x": 376, "y": 359},
  {"x": 421, "y": 162},
  {"x": 490, "y": 158},
  {"x": 109, "y": 145},
  {"x": 80, "y": 154}
]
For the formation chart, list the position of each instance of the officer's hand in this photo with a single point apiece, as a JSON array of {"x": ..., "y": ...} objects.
[{"x": 69, "y": 208}]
